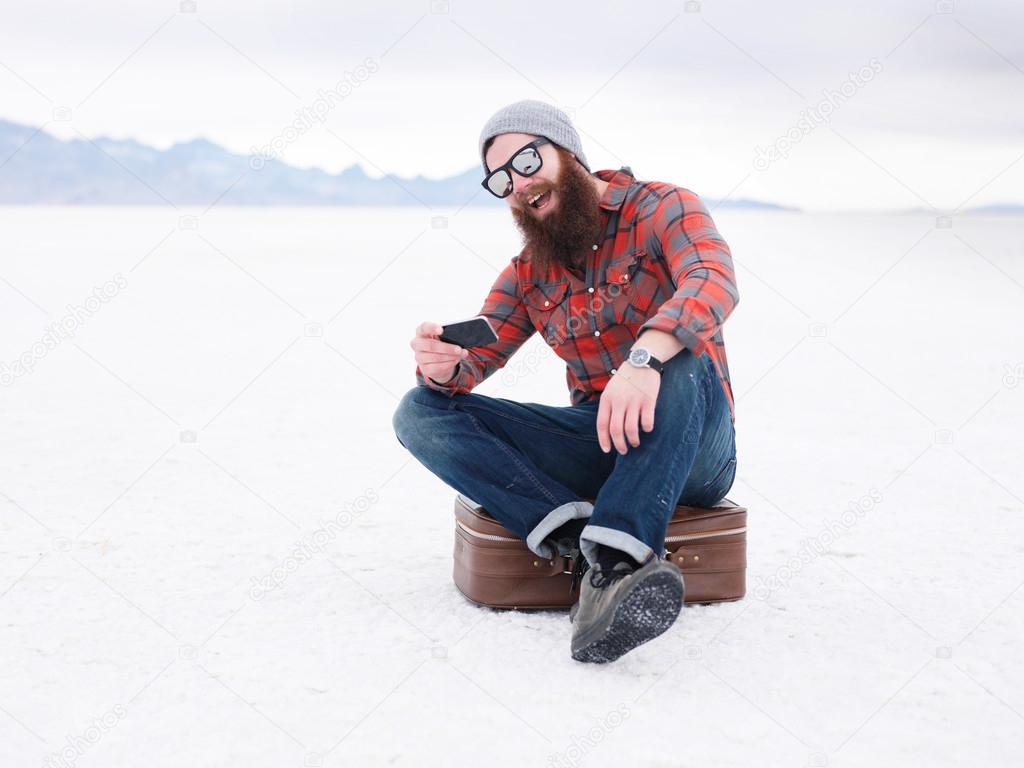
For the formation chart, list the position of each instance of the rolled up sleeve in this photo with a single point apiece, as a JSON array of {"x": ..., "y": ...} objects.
[{"x": 702, "y": 271}]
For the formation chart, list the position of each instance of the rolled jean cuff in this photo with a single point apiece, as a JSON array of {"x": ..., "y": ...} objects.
[
  {"x": 572, "y": 510},
  {"x": 593, "y": 535}
]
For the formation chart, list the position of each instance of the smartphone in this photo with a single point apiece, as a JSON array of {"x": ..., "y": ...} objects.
[{"x": 469, "y": 333}]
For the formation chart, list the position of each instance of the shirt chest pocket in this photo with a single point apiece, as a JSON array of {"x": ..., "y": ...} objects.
[
  {"x": 548, "y": 307},
  {"x": 629, "y": 288}
]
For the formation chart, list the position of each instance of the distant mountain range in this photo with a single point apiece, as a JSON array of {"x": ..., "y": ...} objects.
[
  {"x": 38, "y": 168},
  {"x": 998, "y": 208}
]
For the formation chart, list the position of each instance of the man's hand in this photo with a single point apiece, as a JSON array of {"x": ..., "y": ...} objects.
[
  {"x": 437, "y": 359},
  {"x": 627, "y": 402}
]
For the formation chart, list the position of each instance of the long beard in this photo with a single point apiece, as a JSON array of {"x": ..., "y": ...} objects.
[{"x": 564, "y": 236}]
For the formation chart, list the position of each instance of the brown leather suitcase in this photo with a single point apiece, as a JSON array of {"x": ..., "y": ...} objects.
[{"x": 494, "y": 567}]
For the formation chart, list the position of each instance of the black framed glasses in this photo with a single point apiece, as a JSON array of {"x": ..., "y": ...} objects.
[{"x": 526, "y": 162}]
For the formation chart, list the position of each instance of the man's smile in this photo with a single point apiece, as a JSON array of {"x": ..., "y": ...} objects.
[
  {"x": 539, "y": 197},
  {"x": 539, "y": 201}
]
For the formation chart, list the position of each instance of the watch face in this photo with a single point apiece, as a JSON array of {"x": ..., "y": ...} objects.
[{"x": 639, "y": 356}]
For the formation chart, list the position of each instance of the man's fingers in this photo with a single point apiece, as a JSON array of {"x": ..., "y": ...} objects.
[
  {"x": 632, "y": 422},
  {"x": 433, "y": 357},
  {"x": 429, "y": 328},
  {"x": 440, "y": 348},
  {"x": 647, "y": 416},
  {"x": 425, "y": 344},
  {"x": 603, "y": 412},
  {"x": 615, "y": 427},
  {"x": 617, "y": 423}
]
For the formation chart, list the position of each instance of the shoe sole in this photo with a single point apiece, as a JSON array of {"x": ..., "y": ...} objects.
[{"x": 646, "y": 611}]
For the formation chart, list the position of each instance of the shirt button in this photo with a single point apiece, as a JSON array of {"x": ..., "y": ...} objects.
[
  {"x": 597, "y": 333},
  {"x": 594, "y": 246},
  {"x": 590, "y": 290},
  {"x": 613, "y": 371},
  {"x": 546, "y": 303}
]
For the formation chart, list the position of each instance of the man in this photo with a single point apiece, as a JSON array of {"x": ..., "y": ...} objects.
[{"x": 629, "y": 283}]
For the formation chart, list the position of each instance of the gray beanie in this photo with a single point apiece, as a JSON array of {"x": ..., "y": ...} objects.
[{"x": 537, "y": 119}]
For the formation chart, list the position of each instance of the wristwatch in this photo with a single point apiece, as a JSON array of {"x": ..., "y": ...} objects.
[{"x": 642, "y": 358}]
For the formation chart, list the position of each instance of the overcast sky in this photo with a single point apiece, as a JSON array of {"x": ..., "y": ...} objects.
[{"x": 685, "y": 93}]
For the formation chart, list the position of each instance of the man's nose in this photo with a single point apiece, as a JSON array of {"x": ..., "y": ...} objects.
[
  {"x": 521, "y": 182},
  {"x": 518, "y": 183},
  {"x": 518, "y": 180}
]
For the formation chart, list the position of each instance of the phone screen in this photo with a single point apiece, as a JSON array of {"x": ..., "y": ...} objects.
[{"x": 469, "y": 333}]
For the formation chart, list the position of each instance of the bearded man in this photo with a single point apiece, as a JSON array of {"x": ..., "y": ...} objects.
[{"x": 629, "y": 283}]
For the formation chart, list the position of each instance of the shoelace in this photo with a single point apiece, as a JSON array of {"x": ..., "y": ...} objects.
[
  {"x": 601, "y": 578},
  {"x": 598, "y": 577},
  {"x": 579, "y": 567}
]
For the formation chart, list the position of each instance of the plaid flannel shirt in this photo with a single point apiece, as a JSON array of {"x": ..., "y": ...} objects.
[{"x": 661, "y": 264}]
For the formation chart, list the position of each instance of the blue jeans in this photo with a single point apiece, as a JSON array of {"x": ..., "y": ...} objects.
[{"x": 531, "y": 465}]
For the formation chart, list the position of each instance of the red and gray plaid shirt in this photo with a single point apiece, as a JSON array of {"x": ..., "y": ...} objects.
[{"x": 661, "y": 264}]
